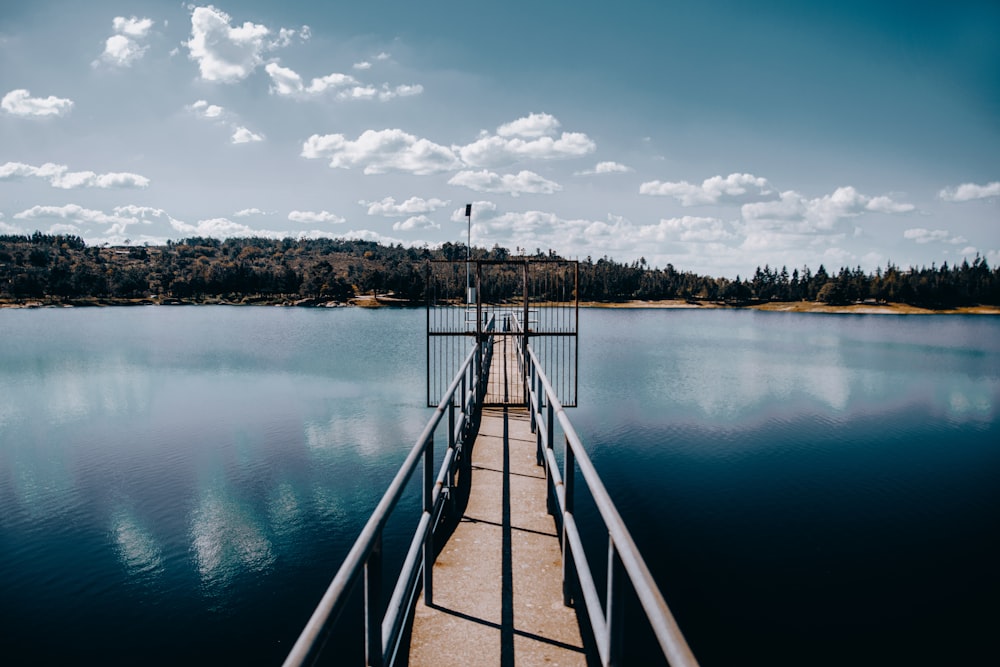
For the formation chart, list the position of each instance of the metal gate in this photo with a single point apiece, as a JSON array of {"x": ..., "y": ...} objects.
[{"x": 506, "y": 304}]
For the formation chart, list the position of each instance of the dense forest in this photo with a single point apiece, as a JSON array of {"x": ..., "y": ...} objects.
[{"x": 311, "y": 271}]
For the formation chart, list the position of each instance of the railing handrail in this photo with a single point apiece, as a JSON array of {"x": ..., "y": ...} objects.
[
  {"x": 621, "y": 544},
  {"x": 368, "y": 544}
]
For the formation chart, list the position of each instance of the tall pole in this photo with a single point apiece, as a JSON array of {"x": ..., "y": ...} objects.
[{"x": 468, "y": 256}]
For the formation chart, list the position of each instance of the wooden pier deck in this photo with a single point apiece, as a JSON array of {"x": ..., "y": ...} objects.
[{"x": 497, "y": 583}]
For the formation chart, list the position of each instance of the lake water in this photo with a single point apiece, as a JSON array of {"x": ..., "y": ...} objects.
[{"x": 179, "y": 484}]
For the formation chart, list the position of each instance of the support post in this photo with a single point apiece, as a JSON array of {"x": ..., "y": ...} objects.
[
  {"x": 429, "y": 508},
  {"x": 616, "y": 605},
  {"x": 373, "y": 603},
  {"x": 569, "y": 567}
]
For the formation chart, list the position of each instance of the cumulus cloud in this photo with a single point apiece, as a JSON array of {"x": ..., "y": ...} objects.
[
  {"x": 532, "y": 126},
  {"x": 74, "y": 214},
  {"x": 242, "y": 135},
  {"x": 19, "y": 102},
  {"x": 733, "y": 187},
  {"x": 604, "y": 168},
  {"x": 59, "y": 176},
  {"x": 288, "y": 82},
  {"x": 415, "y": 222},
  {"x": 521, "y": 141},
  {"x": 921, "y": 235},
  {"x": 206, "y": 110},
  {"x": 364, "y": 64},
  {"x": 389, "y": 208},
  {"x": 382, "y": 151},
  {"x": 970, "y": 191},
  {"x": 133, "y": 27},
  {"x": 123, "y": 48},
  {"x": 512, "y": 184},
  {"x": 821, "y": 213},
  {"x": 247, "y": 212},
  {"x": 228, "y": 53},
  {"x": 316, "y": 216}
]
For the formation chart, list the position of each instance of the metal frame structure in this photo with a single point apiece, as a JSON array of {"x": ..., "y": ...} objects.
[{"x": 548, "y": 314}]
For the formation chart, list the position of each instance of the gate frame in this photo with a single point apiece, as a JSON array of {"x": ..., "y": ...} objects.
[{"x": 484, "y": 330}]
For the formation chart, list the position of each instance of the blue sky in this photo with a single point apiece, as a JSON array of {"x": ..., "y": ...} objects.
[{"x": 713, "y": 135}]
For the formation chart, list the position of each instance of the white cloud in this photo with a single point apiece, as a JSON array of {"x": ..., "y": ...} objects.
[
  {"x": 242, "y": 135},
  {"x": 73, "y": 213},
  {"x": 19, "y": 102},
  {"x": 133, "y": 27},
  {"x": 512, "y": 184},
  {"x": 884, "y": 204},
  {"x": 316, "y": 216},
  {"x": 284, "y": 39},
  {"x": 6, "y": 228},
  {"x": 605, "y": 168},
  {"x": 225, "y": 53},
  {"x": 532, "y": 126},
  {"x": 246, "y": 212},
  {"x": 416, "y": 222},
  {"x": 821, "y": 213},
  {"x": 526, "y": 138},
  {"x": 712, "y": 190},
  {"x": 121, "y": 51},
  {"x": 123, "y": 48},
  {"x": 381, "y": 151},
  {"x": 970, "y": 191},
  {"x": 59, "y": 176},
  {"x": 364, "y": 64},
  {"x": 389, "y": 208},
  {"x": 921, "y": 235},
  {"x": 382, "y": 56},
  {"x": 206, "y": 110},
  {"x": 288, "y": 82},
  {"x": 404, "y": 90},
  {"x": 216, "y": 227}
]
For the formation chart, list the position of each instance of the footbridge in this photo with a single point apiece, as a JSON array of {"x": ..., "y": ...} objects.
[{"x": 496, "y": 572}]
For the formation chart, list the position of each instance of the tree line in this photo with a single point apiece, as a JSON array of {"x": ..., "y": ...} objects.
[{"x": 248, "y": 270}]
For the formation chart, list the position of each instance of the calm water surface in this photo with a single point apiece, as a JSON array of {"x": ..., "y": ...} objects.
[{"x": 178, "y": 485}]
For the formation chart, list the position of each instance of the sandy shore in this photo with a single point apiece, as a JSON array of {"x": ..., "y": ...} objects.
[{"x": 806, "y": 307}]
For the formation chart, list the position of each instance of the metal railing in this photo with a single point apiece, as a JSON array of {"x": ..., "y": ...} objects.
[
  {"x": 607, "y": 620},
  {"x": 383, "y": 630}
]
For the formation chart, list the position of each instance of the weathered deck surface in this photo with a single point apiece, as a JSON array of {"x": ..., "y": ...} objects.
[{"x": 497, "y": 584}]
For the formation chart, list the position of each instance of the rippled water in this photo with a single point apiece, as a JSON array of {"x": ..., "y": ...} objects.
[{"x": 177, "y": 485}]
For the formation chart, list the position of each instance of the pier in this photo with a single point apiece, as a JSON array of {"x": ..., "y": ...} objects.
[
  {"x": 496, "y": 572},
  {"x": 498, "y": 584}
]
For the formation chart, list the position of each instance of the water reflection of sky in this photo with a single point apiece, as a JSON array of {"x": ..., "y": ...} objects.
[
  {"x": 187, "y": 442},
  {"x": 729, "y": 366}
]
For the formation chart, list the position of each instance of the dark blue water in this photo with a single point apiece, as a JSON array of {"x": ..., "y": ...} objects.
[
  {"x": 809, "y": 489},
  {"x": 178, "y": 485}
]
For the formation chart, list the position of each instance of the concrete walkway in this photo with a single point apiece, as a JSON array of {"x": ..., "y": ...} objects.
[{"x": 497, "y": 583}]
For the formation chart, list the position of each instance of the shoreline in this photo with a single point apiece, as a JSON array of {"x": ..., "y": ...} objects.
[
  {"x": 801, "y": 307},
  {"x": 367, "y": 301}
]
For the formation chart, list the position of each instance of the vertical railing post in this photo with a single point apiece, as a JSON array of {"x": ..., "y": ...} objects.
[
  {"x": 615, "y": 604},
  {"x": 373, "y": 603},
  {"x": 531, "y": 391},
  {"x": 429, "y": 508},
  {"x": 465, "y": 405},
  {"x": 450, "y": 475},
  {"x": 549, "y": 426},
  {"x": 568, "y": 564}
]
